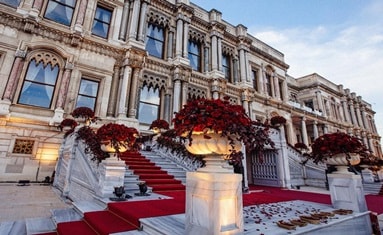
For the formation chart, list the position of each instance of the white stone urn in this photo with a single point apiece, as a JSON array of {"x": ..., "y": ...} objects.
[
  {"x": 342, "y": 161},
  {"x": 214, "y": 147}
]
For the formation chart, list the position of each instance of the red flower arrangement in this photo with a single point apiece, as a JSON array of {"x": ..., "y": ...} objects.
[
  {"x": 300, "y": 146},
  {"x": 116, "y": 135},
  {"x": 83, "y": 112},
  {"x": 277, "y": 120},
  {"x": 160, "y": 124},
  {"x": 328, "y": 145},
  {"x": 67, "y": 122},
  {"x": 219, "y": 116}
]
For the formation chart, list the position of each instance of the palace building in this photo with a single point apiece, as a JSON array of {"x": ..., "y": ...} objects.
[{"x": 136, "y": 61}]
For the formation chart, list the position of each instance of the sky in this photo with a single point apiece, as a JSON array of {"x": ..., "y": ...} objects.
[{"x": 341, "y": 40}]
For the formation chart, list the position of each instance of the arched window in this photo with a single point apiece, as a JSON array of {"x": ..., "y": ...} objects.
[
  {"x": 149, "y": 106},
  {"x": 39, "y": 84}
]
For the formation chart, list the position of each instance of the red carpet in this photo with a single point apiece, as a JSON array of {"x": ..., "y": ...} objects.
[
  {"x": 147, "y": 171},
  {"x": 124, "y": 216}
]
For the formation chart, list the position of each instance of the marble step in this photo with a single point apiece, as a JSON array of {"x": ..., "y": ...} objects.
[
  {"x": 65, "y": 215},
  {"x": 87, "y": 206},
  {"x": 13, "y": 227},
  {"x": 39, "y": 225}
]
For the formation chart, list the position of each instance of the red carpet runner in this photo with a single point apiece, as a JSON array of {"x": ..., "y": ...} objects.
[{"x": 153, "y": 175}]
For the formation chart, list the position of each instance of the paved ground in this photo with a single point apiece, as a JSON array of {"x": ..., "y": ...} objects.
[{"x": 33, "y": 201}]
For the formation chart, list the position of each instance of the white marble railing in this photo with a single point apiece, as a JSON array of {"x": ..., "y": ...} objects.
[{"x": 184, "y": 161}]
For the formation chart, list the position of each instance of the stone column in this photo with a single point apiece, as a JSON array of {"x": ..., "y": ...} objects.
[
  {"x": 170, "y": 45},
  {"x": 14, "y": 75},
  {"x": 36, "y": 8},
  {"x": 179, "y": 36},
  {"x": 276, "y": 87},
  {"x": 345, "y": 111},
  {"x": 133, "y": 93},
  {"x": 111, "y": 111},
  {"x": 80, "y": 16},
  {"x": 315, "y": 128},
  {"x": 358, "y": 116},
  {"x": 219, "y": 56},
  {"x": 167, "y": 110},
  {"x": 134, "y": 20},
  {"x": 364, "y": 118},
  {"x": 177, "y": 96},
  {"x": 124, "y": 85},
  {"x": 64, "y": 86},
  {"x": 262, "y": 77},
  {"x": 184, "y": 93},
  {"x": 320, "y": 103},
  {"x": 214, "y": 53},
  {"x": 124, "y": 20},
  {"x": 112, "y": 174},
  {"x": 353, "y": 117},
  {"x": 206, "y": 59},
  {"x": 304, "y": 131},
  {"x": 185, "y": 40},
  {"x": 242, "y": 65},
  {"x": 235, "y": 69},
  {"x": 142, "y": 28},
  {"x": 291, "y": 138}
]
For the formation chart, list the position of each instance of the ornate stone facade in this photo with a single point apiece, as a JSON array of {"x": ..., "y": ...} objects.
[{"x": 107, "y": 43}]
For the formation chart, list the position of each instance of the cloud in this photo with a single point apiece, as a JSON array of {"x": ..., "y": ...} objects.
[{"x": 350, "y": 54}]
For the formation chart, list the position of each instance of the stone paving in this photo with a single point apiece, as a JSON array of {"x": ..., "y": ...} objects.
[{"x": 33, "y": 201}]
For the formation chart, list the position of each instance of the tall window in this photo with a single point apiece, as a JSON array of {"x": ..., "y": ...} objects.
[
  {"x": 101, "y": 22},
  {"x": 149, "y": 106},
  {"x": 194, "y": 54},
  {"x": 254, "y": 78},
  {"x": 155, "y": 40},
  {"x": 60, "y": 11},
  {"x": 87, "y": 94},
  {"x": 11, "y": 3},
  {"x": 226, "y": 66},
  {"x": 268, "y": 84},
  {"x": 39, "y": 84}
]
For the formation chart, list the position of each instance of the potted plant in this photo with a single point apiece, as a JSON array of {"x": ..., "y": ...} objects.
[
  {"x": 92, "y": 144},
  {"x": 116, "y": 137},
  {"x": 67, "y": 122},
  {"x": 158, "y": 125},
  {"x": 83, "y": 114},
  {"x": 277, "y": 121},
  {"x": 339, "y": 149},
  {"x": 214, "y": 126}
]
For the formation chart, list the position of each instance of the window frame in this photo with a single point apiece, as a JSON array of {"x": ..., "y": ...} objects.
[
  {"x": 149, "y": 88},
  {"x": 99, "y": 6},
  {"x": 227, "y": 68},
  {"x": 88, "y": 96},
  {"x": 154, "y": 39},
  {"x": 198, "y": 56},
  {"x": 5, "y": 2},
  {"x": 65, "y": 7}
]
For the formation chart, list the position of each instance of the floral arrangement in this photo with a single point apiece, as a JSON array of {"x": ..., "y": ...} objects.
[
  {"x": 92, "y": 144},
  {"x": 300, "y": 146},
  {"x": 160, "y": 124},
  {"x": 219, "y": 116},
  {"x": 328, "y": 145},
  {"x": 277, "y": 120},
  {"x": 83, "y": 112},
  {"x": 116, "y": 135},
  {"x": 67, "y": 122}
]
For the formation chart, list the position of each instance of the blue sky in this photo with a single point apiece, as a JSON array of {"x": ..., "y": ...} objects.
[{"x": 341, "y": 40}]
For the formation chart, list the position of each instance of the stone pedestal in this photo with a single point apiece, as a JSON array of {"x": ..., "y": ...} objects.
[
  {"x": 347, "y": 192},
  {"x": 112, "y": 175},
  {"x": 213, "y": 203}
]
